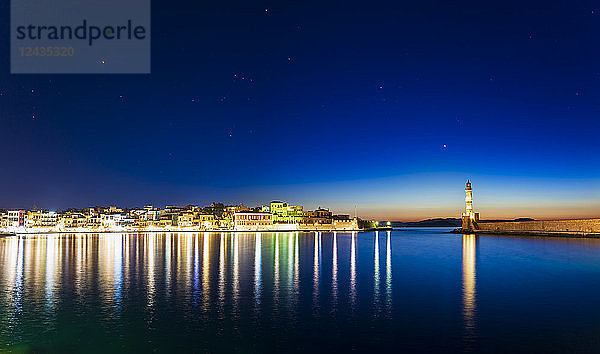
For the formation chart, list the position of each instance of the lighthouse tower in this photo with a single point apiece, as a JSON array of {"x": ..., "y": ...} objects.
[
  {"x": 469, "y": 199},
  {"x": 469, "y": 218}
]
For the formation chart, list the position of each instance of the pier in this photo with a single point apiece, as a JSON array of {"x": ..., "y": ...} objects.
[{"x": 471, "y": 223}]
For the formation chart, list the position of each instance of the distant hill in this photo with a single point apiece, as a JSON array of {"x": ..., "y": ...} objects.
[
  {"x": 439, "y": 222},
  {"x": 446, "y": 222},
  {"x": 515, "y": 220}
]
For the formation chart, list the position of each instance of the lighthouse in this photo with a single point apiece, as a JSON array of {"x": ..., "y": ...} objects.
[
  {"x": 469, "y": 218},
  {"x": 469, "y": 199}
]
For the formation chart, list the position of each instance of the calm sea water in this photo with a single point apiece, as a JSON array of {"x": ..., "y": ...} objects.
[{"x": 417, "y": 290}]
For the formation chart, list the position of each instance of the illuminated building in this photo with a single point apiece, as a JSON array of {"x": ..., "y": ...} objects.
[
  {"x": 41, "y": 219},
  {"x": 284, "y": 213},
  {"x": 166, "y": 222},
  {"x": 15, "y": 218},
  {"x": 71, "y": 220},
  {"x": 93, "y": 219},
  {"x": 185, "y": 219},
  {"x": 320, "y": 216},
  {"x": 115, "y": 221},
  {"x": 469, "y": 218},
  {"x": 205, "y": 221},
  {"x": 248, "y": 221},
  {"x": 276, "y": 216},
  {"x": 345, "y": 222}
]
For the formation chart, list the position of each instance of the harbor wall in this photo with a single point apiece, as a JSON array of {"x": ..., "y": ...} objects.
[{"x": 584, "y": 226}]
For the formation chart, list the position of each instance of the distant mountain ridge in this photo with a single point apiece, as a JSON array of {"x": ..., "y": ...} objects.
[
  {"x": 438, "y": 222},
  {"x": 446, "y": 222}
]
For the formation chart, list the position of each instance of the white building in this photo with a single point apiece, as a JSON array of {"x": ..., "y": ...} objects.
[{"x": 16, "y": 218}]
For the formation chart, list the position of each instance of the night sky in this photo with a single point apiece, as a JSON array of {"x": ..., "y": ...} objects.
[{"x": 389, "y": 106}]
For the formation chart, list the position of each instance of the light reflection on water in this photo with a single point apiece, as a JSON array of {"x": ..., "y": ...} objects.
[
  {"x": 257, "y": 270},
  {"x": 256, "y": 292},
  {"x": 376, "y": 274},
  {"x": 316, "y": 274},
  {"x": 353, "y": 272},
  {"x": 334, "y": 274},
  {"x": 469, "y": 276},
  {"x": 388, "y": 273}
]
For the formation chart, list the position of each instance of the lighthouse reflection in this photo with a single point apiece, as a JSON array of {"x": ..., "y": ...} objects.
[
  {"x": 469, "y": 248},
  {"x": 376, "y": 275}
]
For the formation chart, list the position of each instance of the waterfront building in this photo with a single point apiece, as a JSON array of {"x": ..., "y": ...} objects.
[
  {"x": 153, "y": 215},
  {"x": 250, "y": 221},
  {"x": 71, "y": 220},
  {"x": 345, "y": 222},
  {"x": 185, "y": 219},
  {"x": 16, "y": 218},
  {"x": 93, "y": 219},
  {"x": 125, "y": 221},
  {"x": 110, "y": 221},
  {"x": 226, "y": 221},
  {"x": 320, "y": 216},
  {"x": 205, "y": 221},
  {"x": 41, "y": 219},
  {"x": 284, "y": 213},
  {"x": 165, "y": 221}
]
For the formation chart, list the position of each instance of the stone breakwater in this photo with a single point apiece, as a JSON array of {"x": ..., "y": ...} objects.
[{"x": 581, "y": 227}]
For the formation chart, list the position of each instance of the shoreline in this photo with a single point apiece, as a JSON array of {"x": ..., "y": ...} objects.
[{"x": 187, "y": 231}]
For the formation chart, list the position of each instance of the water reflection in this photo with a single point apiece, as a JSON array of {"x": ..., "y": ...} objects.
[
  {"x": 150, "y": 266},
  {"x": 17, "y": 293},
  {"x": 469, "y": 244},
  {"x": 276, "y": 273},
  {"x": 296, "y": 267},
  {"x": 334, "y": 273},
  {"x": 353, "y": 271},
  {"x": 167, "y": 262},
  {"x": 257, "y": 263},
  {"x": 221, "y": 274},
  {"x": 50, "y": 259},
  {"x": 376, "y": 276},
  {"x": 290, "y": 256},
  {"x": 236, "y": 272},
  {"x": 388, "y": 273},
  {"x": 205, "y": 270},
  {"x": 196, "y": 268},
  {"x": 316, "y": 273},
  {"x": 213, "y": 291}
]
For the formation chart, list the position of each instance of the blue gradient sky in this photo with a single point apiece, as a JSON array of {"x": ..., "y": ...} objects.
[{"x": 323, "y": 105}]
